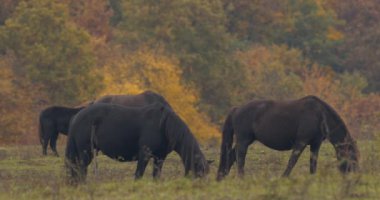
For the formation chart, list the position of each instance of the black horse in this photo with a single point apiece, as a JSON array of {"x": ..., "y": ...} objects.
[
  {"x": 55, "y": 119},
  {"x": 130, "y": 134},
  {"x": 286, "y": 125},
  {"x": 142, "y": 99}
]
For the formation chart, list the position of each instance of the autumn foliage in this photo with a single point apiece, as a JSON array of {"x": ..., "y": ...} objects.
[
  {"x": 277, "y": 72},
  {"x": 203, "y": 56},
  {"x": 148, "y": 70}
]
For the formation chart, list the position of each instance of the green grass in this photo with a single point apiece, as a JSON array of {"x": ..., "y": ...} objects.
[{"x": 26, "y": 174}]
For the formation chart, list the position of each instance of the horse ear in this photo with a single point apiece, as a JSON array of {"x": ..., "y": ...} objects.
[{"x": 210, "y": 161}]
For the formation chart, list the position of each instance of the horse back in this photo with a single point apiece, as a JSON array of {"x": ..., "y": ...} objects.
[
  {"x": 278, "y": 124},
  {"x": 125, "y": 100},
  {"x": 59, "y": 117},
  {"x": 138, "y": 100}
]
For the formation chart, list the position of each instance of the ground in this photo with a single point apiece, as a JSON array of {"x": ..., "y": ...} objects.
[{"x": 26, "y": 174}]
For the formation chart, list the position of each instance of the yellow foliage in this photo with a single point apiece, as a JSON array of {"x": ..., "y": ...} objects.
[
  {"x": 271, "y": 72},
  {"x": 333, "y": 34},
  {"x": 17, "y": 118},
  {"x": 357, "y": 110},
  {"x": 6, "y": 76},
  {"x": 147, "y": 70},
  {"x": 281, "y": 73},
  {"x": 321, "y": 82}
]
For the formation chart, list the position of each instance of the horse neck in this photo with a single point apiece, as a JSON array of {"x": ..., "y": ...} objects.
[
  {"x": 336, "y": 129},
  {"x": 188, "y": 149},
  {"x": 181, "y": 140},
  {"x": 341, "y": 139},
  {"x": 346, "y": 150},
  {"x": 342, "y": 142},
  {"x": 339, "y": 136}
]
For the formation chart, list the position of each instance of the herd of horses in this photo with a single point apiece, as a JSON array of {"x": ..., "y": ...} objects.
[{"x": 144, "y": 126}]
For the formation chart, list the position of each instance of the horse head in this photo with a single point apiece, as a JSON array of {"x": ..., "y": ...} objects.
[
  {"x": 348, "y": 157},
  {"x": 201, "y": 165}
]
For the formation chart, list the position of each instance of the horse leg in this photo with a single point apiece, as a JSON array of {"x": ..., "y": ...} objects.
[
  {"x": 187, "y": 171},
  {"x": 314, "y": 149},
  {"x": 46, "y": 129},
  {"x": 297, "y": 150},
  {"x": 53, "y": 143},
  {"x": 45, "y": 142},
  {"x": 157, "y": 167},
  {"x": 142, "y": 162},
  {"x": 241, "y": 152}
]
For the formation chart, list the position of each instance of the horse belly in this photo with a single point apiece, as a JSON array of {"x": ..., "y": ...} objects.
[
  {"x": 120, "y": 152},
  {"x": 278, "y": 138},
  {"x": 279, "y": 145},
  {"x": 118, "y": 146}
]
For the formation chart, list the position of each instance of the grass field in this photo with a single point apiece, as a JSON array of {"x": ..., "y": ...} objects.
[{"x": 25, "y": 174}]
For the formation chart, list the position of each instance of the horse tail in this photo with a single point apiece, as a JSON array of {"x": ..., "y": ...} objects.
[
  {"x": 40, "y": 133},
  {"x": 227, "y": 140},
  {"x": 71, "y": 149},
  {"x": 44, "y": 139},
  {"x": 71, "y": 160},
  {"x": 163, "y": 119},
  {"x": 93, "y": 147},
  {"x": 325, "y": 128}
]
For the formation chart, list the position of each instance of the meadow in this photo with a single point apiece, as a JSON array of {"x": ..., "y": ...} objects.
[
  {"x": 26, "y": 174},
  {"x": 204, "y": 57}
]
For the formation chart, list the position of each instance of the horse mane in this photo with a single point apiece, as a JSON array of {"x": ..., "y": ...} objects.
[
  {"x": 344, "y": 144},
  {"x": 182, "y": 141},
  {"x": 169, "y": 122},
  {"x": 332, "y": 113},
  {"x": 336, "y": 139},
  {"x": 177, "y": 133}
]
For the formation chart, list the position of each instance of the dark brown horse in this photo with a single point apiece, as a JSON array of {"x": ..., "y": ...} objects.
[
  {"x": 55, "y": 119},
  {"x": 142, "y": 99},
  {"x": 286, "y": 125},
  {"x": 130, "y": 134}
]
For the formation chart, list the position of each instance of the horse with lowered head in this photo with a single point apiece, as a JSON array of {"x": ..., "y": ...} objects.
[
  {"x": 143, "y": 99},
  {"x": 286, "y": 125},
  {"x": 130, "y": 134},
  {"x": 56, "y": 119}
]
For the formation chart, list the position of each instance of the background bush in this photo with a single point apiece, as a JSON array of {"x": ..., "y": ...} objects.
[{"x": 203, "y": 56}]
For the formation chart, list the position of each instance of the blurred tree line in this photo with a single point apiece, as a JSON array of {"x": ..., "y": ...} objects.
[{"x": 203, "y": 56}]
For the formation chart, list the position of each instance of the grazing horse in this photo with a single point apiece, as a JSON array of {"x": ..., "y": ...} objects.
[
  {"x": 142, "y": 99},
  {"x": 286, "y": 125},
  {"x": 55, "y": 120},
  {"x": 130, "y": 134}
]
